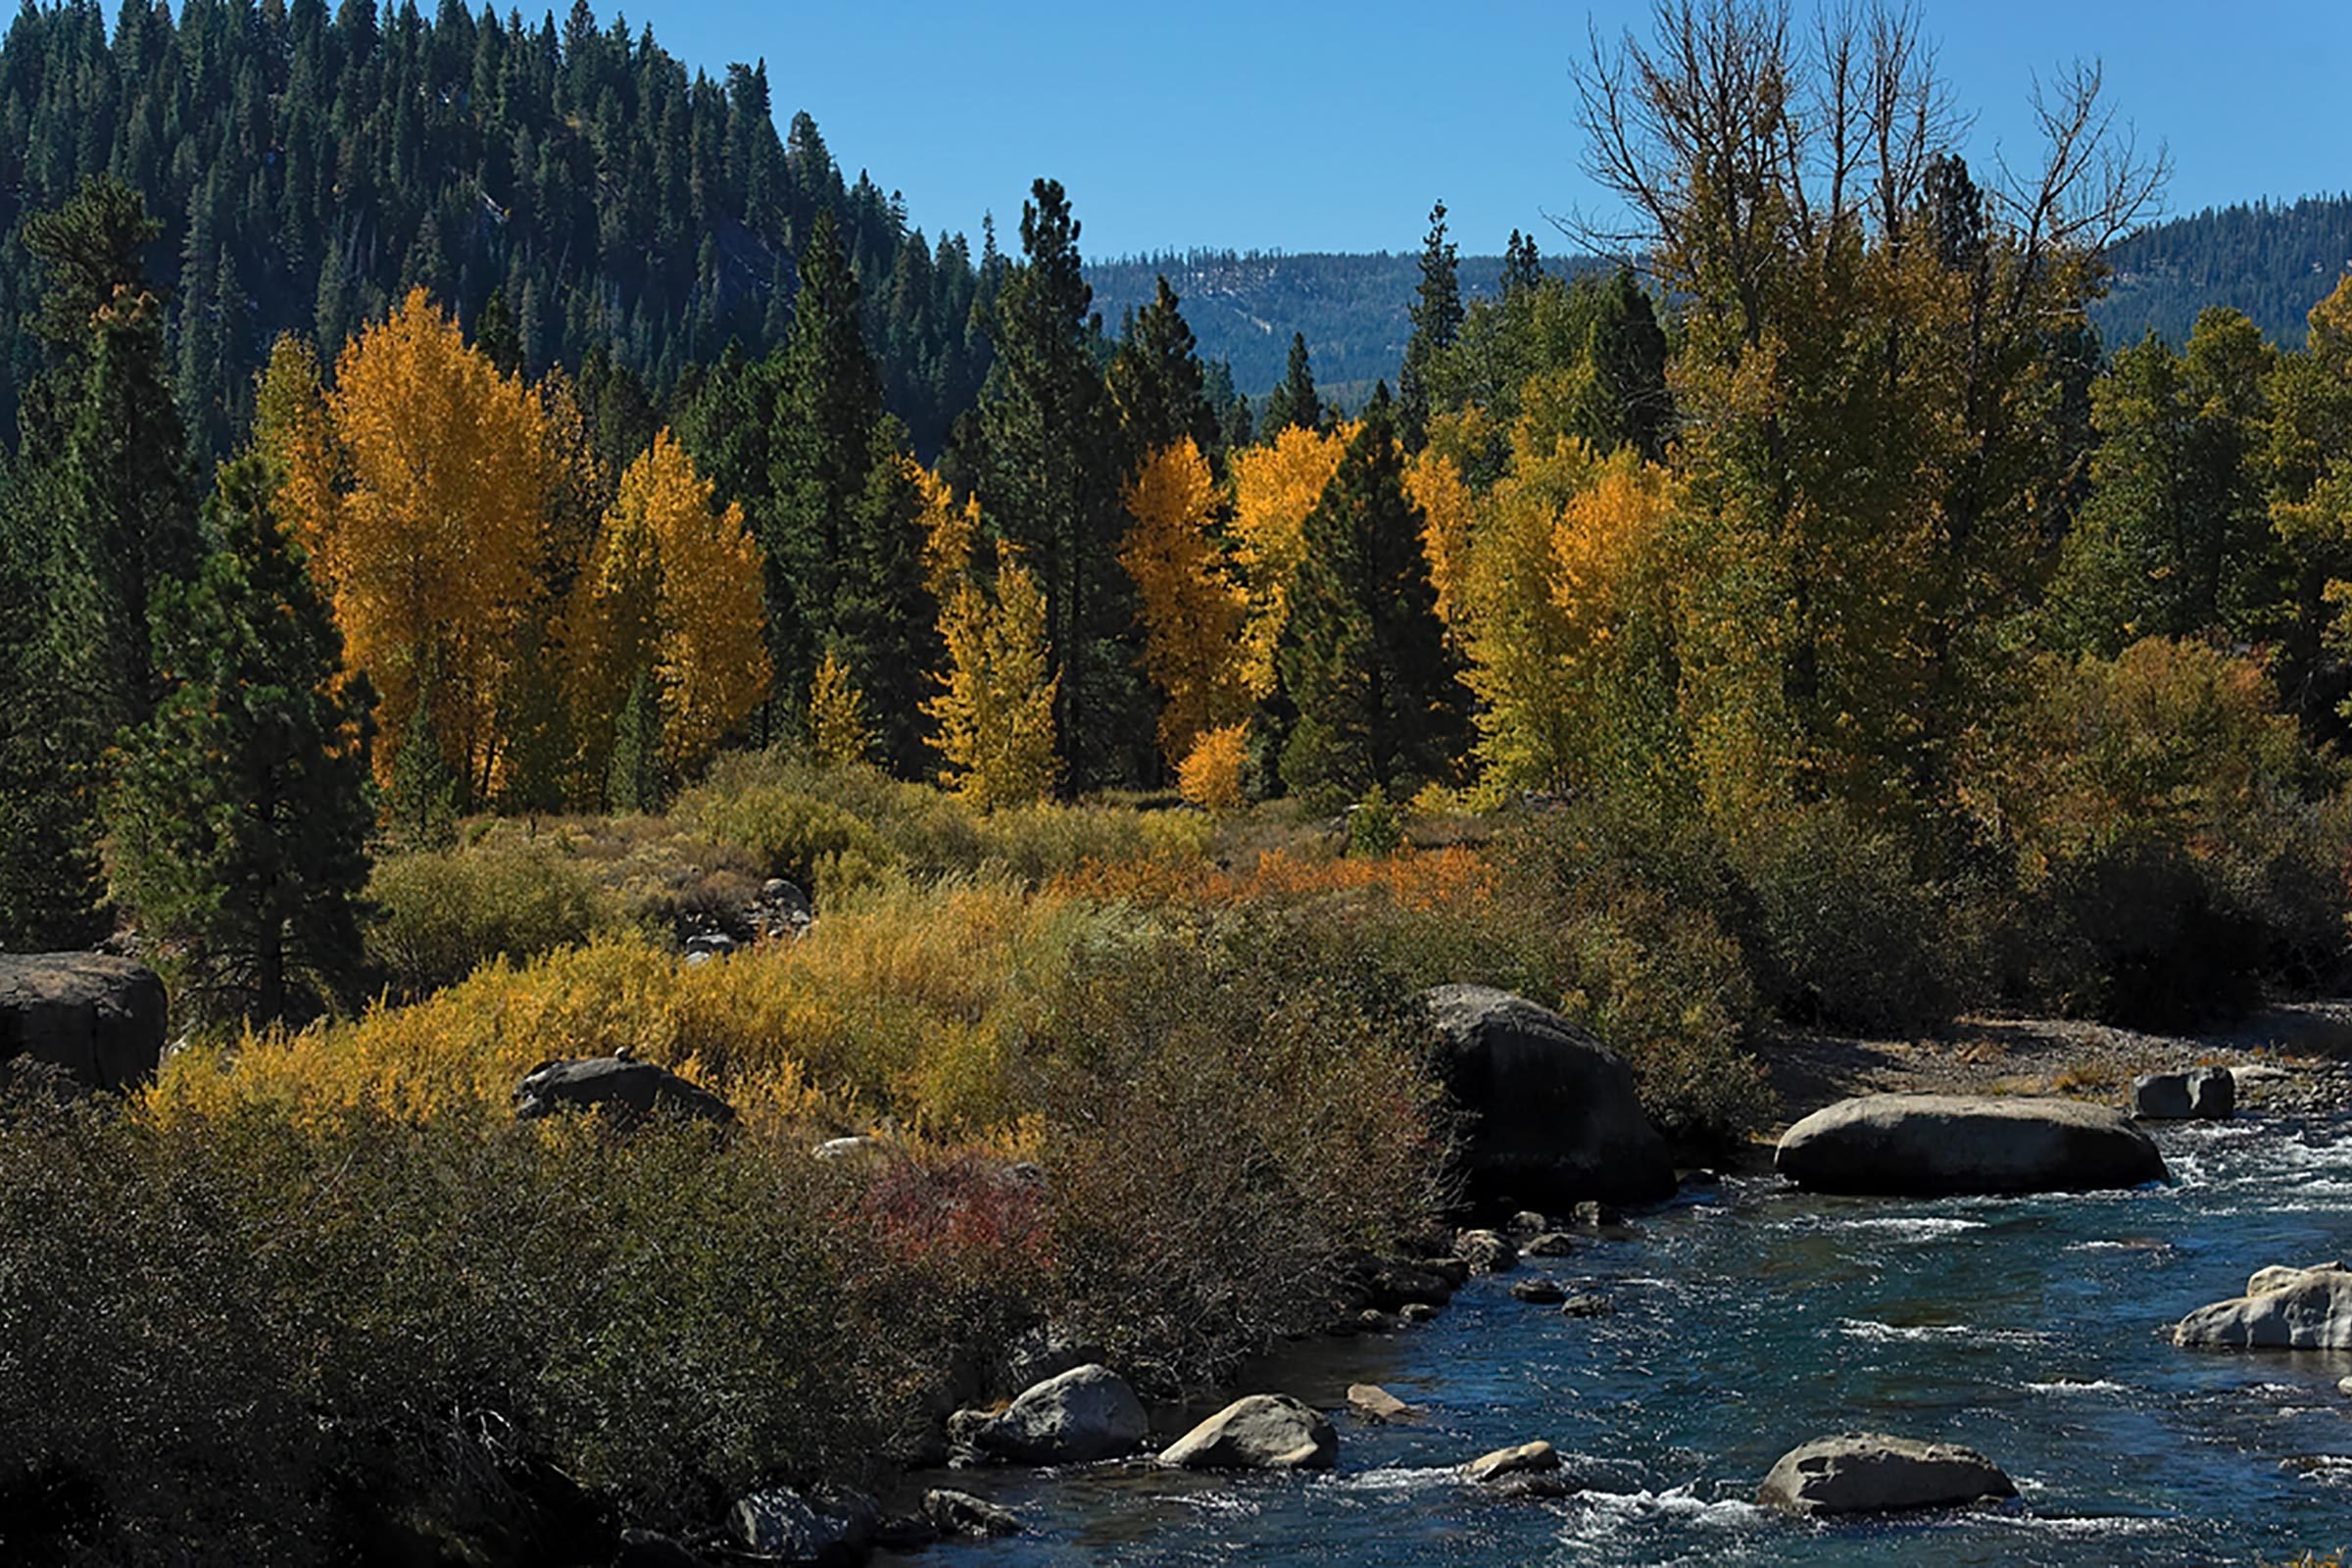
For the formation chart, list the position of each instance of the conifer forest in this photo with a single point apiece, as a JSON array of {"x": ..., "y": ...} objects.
[{"x": 513, "y": 558}]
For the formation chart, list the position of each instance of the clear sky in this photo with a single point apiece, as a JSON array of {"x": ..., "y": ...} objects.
[{"x": 1304, "y": 128}]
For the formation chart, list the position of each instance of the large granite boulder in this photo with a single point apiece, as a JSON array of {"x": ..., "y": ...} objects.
[
  {"x": 825, "y": 1530},
  {"x": 1930, "y": 1146},
  {"x": 1555, "y": 1119},
  {"x": 1084, "y": 1414},
  {"x": 2283, "y": 1310},
  {"x": 628, "y": 1091},
  {"x": 97, "y": 1020},
  {"x": 1258, "y": 1432},
  {"x": 1870, "y": 1472}
]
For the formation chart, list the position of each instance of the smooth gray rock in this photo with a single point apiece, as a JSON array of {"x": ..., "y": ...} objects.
[
  {"x": 98, "y": 1020},
  {"x": 2283, "y": 1310},
  {"x": 1528, "y": 1459},
  {"x": 1939, "y": 1144},
  {"x": 1870, "y": 1472},
  {"x": 1257, "y": 1432},
  {"x": 1085, "y": 1413},
  {"x": 1553, "y": 1113},
  {"x": 1588, "y": 1306},
  {"x": 960, "y": 1513},
  {"x": 628, "y": 1092},
  {"x": 1551, "y": 1244},
  {"x": 846, "y": 1147}
]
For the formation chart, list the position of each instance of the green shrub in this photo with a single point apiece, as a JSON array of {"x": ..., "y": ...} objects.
[
  {"x": 438, "y": 915},
  {"x": 790, "y": 834}
]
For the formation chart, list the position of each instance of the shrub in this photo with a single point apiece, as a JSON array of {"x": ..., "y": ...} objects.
[
  {"x": 1212, "y": 775},
  {"x": 788, "y": 833},
  {"x": 438, "y": 915}
]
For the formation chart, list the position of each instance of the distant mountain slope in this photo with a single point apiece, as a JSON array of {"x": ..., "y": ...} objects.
[
  {"x": 2273, "y": 261},
  {"x": 1244, "y": 307}
]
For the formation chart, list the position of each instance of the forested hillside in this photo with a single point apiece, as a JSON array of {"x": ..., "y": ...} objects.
[
  {"x": 308, "y": 169},
  {"x": 1244, "y": 306},
  {"x": 2272, "y": 260}
]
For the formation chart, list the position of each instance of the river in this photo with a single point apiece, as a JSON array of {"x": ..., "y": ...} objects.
[{"x": 1750, "y": 1317}]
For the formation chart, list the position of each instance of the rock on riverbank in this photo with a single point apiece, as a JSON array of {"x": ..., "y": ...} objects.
[
  {"x": 1930, "y": 1145},
  {"x": 1555, "y": 1115}
]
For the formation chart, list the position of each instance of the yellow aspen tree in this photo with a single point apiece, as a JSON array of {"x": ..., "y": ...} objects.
[
  {"x": 1193, "y": 610},
  {"x": 1516, "y": 634},
  {"x": 1435, "y": 482},
  {"x": 996, "y": 711},
  {"x": 674, "y": 595},
  {"x": 1210, "y": 776},
  {"x": 421, "y": 507},
  {"x": 1274, "y": 488},
  {"x": 837, "y": 727},
  {"x": 950, "y": 532}
]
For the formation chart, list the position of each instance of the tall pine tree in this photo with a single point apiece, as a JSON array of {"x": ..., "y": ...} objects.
[
  {"x": 1364, "y": 657},
  {"x": 1050, "y": 481},
  {"x": 239, "y": 818}
]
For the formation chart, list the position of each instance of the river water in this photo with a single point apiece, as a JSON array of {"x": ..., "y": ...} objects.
[{"x": 1750, "y": 1317}]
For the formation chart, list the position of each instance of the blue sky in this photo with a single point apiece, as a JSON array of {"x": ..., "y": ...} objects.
[{"x": 1304, "y": 128}]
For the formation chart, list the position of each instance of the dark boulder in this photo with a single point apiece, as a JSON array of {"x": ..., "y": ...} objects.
[
  {"x": 628, "y": 1092},
  {"x": 1553, "y": 1116},
  {"x": 97, "y": 1020},
  {"x": 1931, "y": 1146}
]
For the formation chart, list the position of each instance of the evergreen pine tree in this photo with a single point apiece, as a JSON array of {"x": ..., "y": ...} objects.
[
  {"x": 1158, "y": 384},
  {"x": 1050, "y": 479},
  {"x": 1364, "y": 657},
  {"x": 1293, "y": 404},
  {"x": 1437, "y": 316},
  {"x": 239, "y": 818},
  {"x": 1522, "y": 267}
]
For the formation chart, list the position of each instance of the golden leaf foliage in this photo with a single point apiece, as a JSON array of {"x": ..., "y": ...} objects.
[
  {"x": 950, "y": 532},
  {"x": 1212, "y": 774},
  {"x": 420, "y": 498},
  {"x": 672, "y": 590},
  {"x": 996, "y": 711},
  {"x": 1193, "y": 610},
  {"x": 1274, "y": 488},
  {"x": 1514, "y": 630},
  {"x": 837, "y": 727},
  {"x": 1435, "y": 482}
]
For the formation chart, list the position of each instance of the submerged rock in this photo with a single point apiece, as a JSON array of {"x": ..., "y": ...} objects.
[
  {"x": 1542, "y": 1291},
  {"x": 2283, "y": 1310},
  {"x": 1939, "y": 1145},
  {"x": 626, "y": 1091},
  {"x": 960, "y": 1513},
  {"x": 1085, "y": 1413},
  {"x": 1257, "y": 1432},
  {"x": 1554, "y": 1116},
  {"x": 1588, "y": 1306},
  {"x": 1870, "y": 1472}
]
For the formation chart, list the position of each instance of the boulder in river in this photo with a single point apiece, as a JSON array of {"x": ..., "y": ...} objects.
[
  {"x": 1870, "y": 1472},
  {"x": 2209, "y": 1093},
  {"x": 1930, "y": 1146},
  {"x": 1541, "y": 1290},
  {"x": 2283, "y": 1310},
  {"x": 97, "y": 1020},
  {"x": 1528, "y": 1459},
  {"x": 1257, "y": 1432},
  {"x": 1375, "y": 1403},
  {"x": 1553, "y": 1113},
  {"x": 1486, "y": 1252},
  {"x": 628, "y": 1091},
  {"x": 1085, "y": 1413}
]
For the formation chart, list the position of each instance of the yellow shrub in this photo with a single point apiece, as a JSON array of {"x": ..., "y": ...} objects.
[{"x": 1212, "y": 775}]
